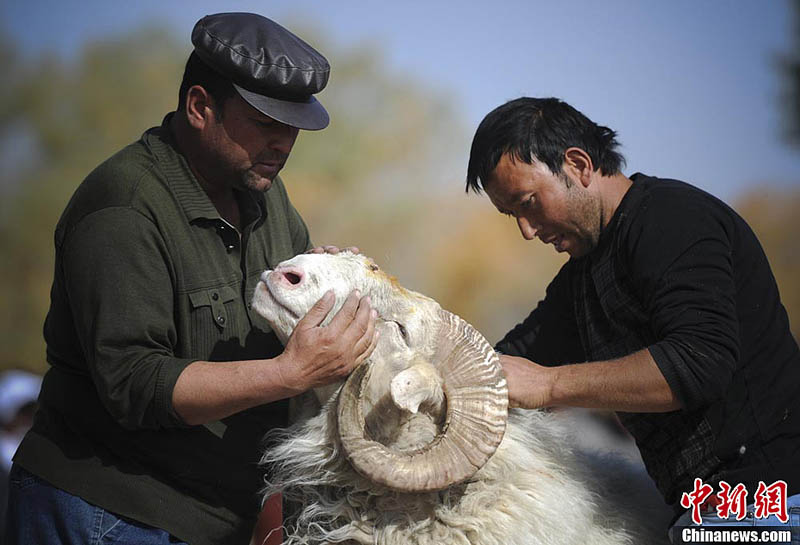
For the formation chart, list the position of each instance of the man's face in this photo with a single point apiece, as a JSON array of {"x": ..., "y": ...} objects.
[
  {"x": 556, "y": 208},
  {"x": 247, "y": 147}
]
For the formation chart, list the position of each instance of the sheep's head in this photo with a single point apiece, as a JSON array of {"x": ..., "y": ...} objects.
[{"x": 426, "y": 359}]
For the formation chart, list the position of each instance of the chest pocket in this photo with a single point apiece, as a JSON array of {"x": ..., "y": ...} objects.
[{"x": 213, "y": 318}]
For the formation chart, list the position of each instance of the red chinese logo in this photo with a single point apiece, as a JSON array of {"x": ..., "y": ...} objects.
[
  {"x": 696, "y": 498},
  {"x": 732, "y": 501},
  {"x": 768, "y": 500},
  {"x": 771, "y": 500}
]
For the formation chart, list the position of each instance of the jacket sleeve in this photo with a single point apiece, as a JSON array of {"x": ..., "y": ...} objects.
[
  {"x": 549, "y": 335},
  {"x": 681, "y": 263},
  {"x": 118, "y": 279}
]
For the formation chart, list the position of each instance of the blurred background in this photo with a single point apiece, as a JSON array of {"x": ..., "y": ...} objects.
[{"x": 705, "y": 91}]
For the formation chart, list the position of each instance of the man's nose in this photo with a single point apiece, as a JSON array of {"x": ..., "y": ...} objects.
[
  {"x": 528, "y": 231},
  {"x": 283, "y": 139}
]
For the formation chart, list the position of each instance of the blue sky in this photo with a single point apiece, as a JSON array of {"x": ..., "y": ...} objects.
[{"x": 692, "y": 88}]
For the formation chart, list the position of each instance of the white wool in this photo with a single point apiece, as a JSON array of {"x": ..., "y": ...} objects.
[{"x": 532, "y": 491}]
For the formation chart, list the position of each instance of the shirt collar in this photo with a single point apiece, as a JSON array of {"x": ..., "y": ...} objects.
[
  {"x": 252, "y": 206},
  {"x": 631, "y": 198},
  {"x": 619, "y": 217}
]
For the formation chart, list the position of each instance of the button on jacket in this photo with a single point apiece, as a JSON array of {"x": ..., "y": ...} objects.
[{"x": 149, "y": 278}]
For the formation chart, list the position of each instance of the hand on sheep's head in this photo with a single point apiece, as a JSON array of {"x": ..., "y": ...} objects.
[
  {"x": 329, "y": 249},
  {"x": 316, "y": 356},
  {"x": 427, "y": 362}
]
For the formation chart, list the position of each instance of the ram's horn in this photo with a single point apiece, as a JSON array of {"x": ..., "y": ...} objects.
[{"x": 477, "y": 410}]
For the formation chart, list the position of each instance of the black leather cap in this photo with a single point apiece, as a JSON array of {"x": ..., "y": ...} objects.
[{"x": 272, "y": 69}]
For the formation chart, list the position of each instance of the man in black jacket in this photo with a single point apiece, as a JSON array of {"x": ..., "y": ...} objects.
[{"x": 666, "y": 312}]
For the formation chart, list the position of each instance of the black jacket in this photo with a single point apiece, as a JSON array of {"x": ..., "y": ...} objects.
[{"x": 679, "y": 272}]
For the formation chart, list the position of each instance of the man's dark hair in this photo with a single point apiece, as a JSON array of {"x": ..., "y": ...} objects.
[
  {"x": 198, "y": 72},
  {"x": 541, "y": 129}
]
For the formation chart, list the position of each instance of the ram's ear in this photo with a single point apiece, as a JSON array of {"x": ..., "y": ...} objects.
[{"x": 417, "y": 385}]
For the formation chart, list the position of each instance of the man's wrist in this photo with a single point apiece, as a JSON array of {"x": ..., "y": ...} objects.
[
  {"x": 552, "y": 376},
  {"x": 281, "y": 371}
]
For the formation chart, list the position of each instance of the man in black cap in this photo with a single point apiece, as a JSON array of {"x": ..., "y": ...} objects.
[{"x": 163, "y": 381}]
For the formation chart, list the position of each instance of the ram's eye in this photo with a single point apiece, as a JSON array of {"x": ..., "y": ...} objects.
[
  {"x": 403, "y": 332},
  {"x": 373, "y": 267}
]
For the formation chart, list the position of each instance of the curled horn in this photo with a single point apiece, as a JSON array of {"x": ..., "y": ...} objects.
[{"x": 477, "y": 409}]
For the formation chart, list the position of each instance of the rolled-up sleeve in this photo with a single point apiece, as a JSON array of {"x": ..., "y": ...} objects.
[
  {"x": 686, "y": 278},
  {"x": 118, "y": 279}
]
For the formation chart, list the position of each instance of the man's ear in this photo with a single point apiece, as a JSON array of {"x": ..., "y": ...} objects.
[
  {"x": 578, "y": 165},
  {"x": 200, "y": 107}
]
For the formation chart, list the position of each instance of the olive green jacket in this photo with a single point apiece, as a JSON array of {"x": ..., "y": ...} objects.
[{"x": 149, "y": 278}]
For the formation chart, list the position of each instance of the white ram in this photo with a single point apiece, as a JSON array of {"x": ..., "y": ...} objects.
[{"x": 418, "y": 445}]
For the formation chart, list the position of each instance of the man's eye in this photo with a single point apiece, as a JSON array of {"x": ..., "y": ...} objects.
[{"x": 530, "y": 201}]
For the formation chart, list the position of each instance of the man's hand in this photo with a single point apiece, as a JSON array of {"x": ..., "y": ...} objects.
[
  {"x": 530, "y": 386},
  {"x": 314, "y": 356},
  {"x": 333, "y": 250},
  {"x": 317, "y": 355}
]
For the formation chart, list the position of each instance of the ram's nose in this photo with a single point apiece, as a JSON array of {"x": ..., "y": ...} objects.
[{"x": 289, "y": 277}]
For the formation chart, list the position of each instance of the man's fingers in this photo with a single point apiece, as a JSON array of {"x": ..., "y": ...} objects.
[
  {"x": 361, "y": 321},
  {"x": 317, "y": 314},
  {"x": 331, "y": 249},
  {"x": 362, "y": 332},
  {"x": 367, "y": 343},
  {"x": 327, "y": 249},
  {"x": 368, "y": 352},
  {"x": 347, "y": 312}
]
